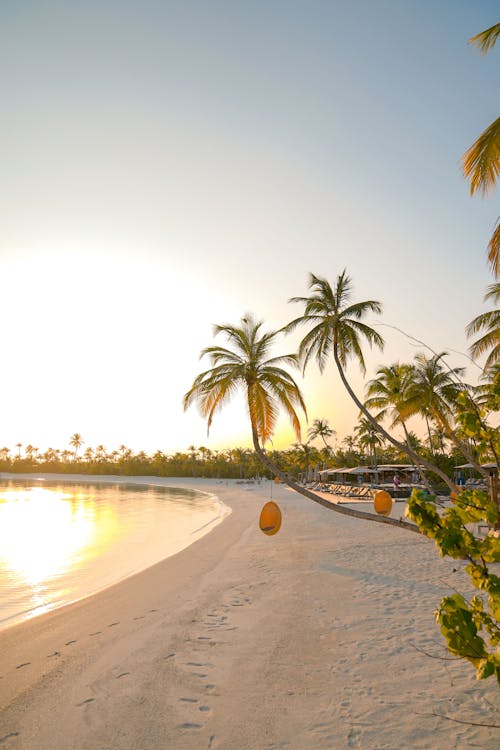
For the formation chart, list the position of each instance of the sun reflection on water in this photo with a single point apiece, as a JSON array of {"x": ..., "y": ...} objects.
[{"x": 44, "y": 533}]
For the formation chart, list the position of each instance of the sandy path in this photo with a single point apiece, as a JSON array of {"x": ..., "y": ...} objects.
[{"x": 301, "y": 641}]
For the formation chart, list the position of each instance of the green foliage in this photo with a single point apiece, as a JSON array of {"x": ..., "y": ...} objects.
[
  {"x": 472, "y": 418},
  {"x": 470, "y": 628}
]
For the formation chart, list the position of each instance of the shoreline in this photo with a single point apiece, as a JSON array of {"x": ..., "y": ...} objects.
[
  {"x": 309, "y": 639},
  {"x": 220, "y": 511}
]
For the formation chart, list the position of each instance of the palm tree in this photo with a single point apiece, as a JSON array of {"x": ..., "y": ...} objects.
[
  {"x": 481, "y": 162},
  {"x": 489, "y": 324},
  {"x": 19, "y": 446},
  {"x": 88, "y": 454},
  {"x": 337, "y": 329},
  {"x": 305, "y": 455},
  {"x": 437, "y": 387},
  {"x": 369, "y": 437},
  {"x": 100, "y": 453},
  {"x": 267, "y": 386},
  {"x": 76, "y": 442},
  {"x": 393, "y": 393},
  {"x": 320, "y": 428}
]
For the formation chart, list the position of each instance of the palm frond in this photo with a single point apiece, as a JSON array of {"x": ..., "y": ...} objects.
[
  {"x": 373, "y": 337},
  {"x": 490, "y": 319},
  {"x": 493, "y": 293},
  {"x": 485, "y": 40},
  {"x": 361, "y": 308},
  {"x": 494, "y": 250},
  {"x": 490, "y": 340},
  {"x": 481, "y": 162}
]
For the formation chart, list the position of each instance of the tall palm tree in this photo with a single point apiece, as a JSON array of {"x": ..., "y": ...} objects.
[
  {"x": 336, "y": 329},
  {"x": 481, "y": 162},
  {"x": 489, "y": 324},
  {"x": 320, "y": 428},
  {"x": 267, "y": 386},
  {"x": 76, "y": 442}
]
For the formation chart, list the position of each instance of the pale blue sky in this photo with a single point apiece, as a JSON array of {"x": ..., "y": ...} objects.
[{"x": 169, "y": 165}]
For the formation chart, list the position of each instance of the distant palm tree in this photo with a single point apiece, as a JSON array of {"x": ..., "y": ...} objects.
[
  {"x": 247, "y": 365},
  {"x": 320, "y": 428},
  {"x": 489, "y": 324},
  {"x": 19, "y": 446},
  {"x": 88, "y": 454},
  {"x": 369, "y": 437},
  {"x": 76, "y": 442},
  {"x": 100, "y": 453},
  {"x": 481, "y": 162},
  {"x": 31, "y": 452},
  {"x": 336, "y": 329}
]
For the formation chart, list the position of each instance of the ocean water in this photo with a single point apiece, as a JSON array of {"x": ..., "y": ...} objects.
[{"x": 62, "y": 541}]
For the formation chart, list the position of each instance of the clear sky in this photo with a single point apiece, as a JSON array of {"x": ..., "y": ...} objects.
[{"x": 167, "y": 165}]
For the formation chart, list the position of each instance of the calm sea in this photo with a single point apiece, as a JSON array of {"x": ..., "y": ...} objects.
[{"x": 61, "y": 541}]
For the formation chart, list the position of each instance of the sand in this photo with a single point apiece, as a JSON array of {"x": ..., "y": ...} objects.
[{"x": 311, "y": 639}]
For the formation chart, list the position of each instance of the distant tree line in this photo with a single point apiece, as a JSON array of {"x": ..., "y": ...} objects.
[{"x": 301, "y": 461}]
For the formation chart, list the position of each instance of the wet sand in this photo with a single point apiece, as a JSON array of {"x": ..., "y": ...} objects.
[{"x": 309, "y": 639}]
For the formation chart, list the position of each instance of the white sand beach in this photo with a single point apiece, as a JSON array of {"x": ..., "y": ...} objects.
[{"x": 308, "y": 640}]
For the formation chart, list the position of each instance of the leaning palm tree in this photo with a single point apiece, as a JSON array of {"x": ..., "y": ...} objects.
[
  {"x": 487, "y": 323},
  {"x": 246, "y": 364},
  {"x": 481, "y": 162},
  {"x": 337, "y": 329}
]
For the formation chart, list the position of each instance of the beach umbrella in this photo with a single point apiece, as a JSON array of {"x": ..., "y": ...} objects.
[{"x": 270, "y": 518}]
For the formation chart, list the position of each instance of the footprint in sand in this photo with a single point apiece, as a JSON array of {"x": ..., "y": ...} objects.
[
  {"x": 8, "y": 736},
  {"x": 24, "y": 664},
  {"x": 123, "y": 674},
  {"x": 68, "y": 643},
  {"x": 97, "y": 632},
  {"x": 56, "y": 653},
  {"x": 189, "y": 700},
  {"x": 87, "y": 700},
  {"x": 112, "y": 624},
  {"x": 190, "y": 725}
]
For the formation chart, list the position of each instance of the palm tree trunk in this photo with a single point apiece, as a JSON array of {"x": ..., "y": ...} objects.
[
  {"x": 419, "y": 470},
  {"x": 400, "y": 446},
  {"x": 431, "y": 445},
  {"x": 322, "y": 501}
]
